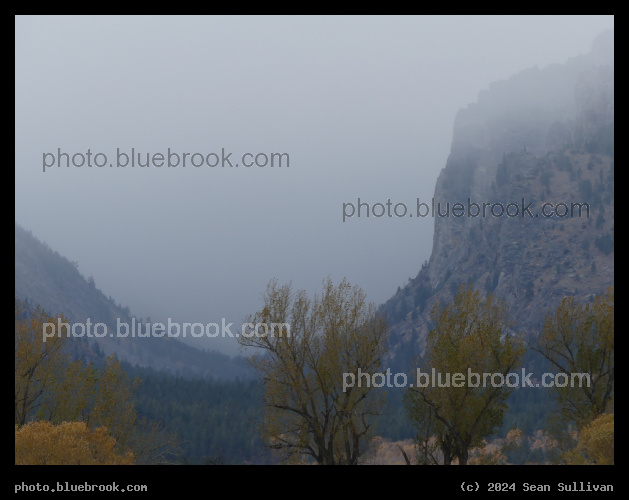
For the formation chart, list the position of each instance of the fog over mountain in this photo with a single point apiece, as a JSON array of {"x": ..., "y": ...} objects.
[
  {"x": 363, "y": 107},
  {"x": 542, "y": 138}
]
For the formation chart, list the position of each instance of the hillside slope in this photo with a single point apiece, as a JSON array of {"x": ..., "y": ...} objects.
[{"x": 45, "y": 278}]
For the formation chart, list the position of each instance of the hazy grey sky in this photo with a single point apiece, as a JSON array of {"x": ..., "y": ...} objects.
[{"x": 364, "y": 106}]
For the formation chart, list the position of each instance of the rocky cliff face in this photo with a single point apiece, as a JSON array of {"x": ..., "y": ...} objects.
[{"x": 543, "y": 136}]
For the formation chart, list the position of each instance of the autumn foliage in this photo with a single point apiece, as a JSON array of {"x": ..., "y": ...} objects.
[
  {"x": 308, "y": 415},
  {"x": 68, "y": 443},
  {"x": 596, "y": 443},
  {"x": 470, "y": 334}
]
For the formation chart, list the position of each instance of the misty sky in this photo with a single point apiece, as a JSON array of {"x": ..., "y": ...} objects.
[{"x": 364, "y": 106}]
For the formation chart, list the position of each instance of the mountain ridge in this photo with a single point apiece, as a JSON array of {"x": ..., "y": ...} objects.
[{"x": 45, "y": 278}]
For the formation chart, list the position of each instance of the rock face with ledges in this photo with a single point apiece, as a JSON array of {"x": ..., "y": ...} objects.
[{"x": 542, "y": 136}]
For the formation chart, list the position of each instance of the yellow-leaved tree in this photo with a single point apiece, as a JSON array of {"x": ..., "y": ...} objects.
[
  {"x": 595, "y": 444},
  {"x": 457, "y": 408},
  {"x": 578, "y": 341},
  {"x": 52, "y": 387},
  {"x": 43, "y": 369},
  {"x": 308, "y": 414},
  {"x": 67, "y": 443}
]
